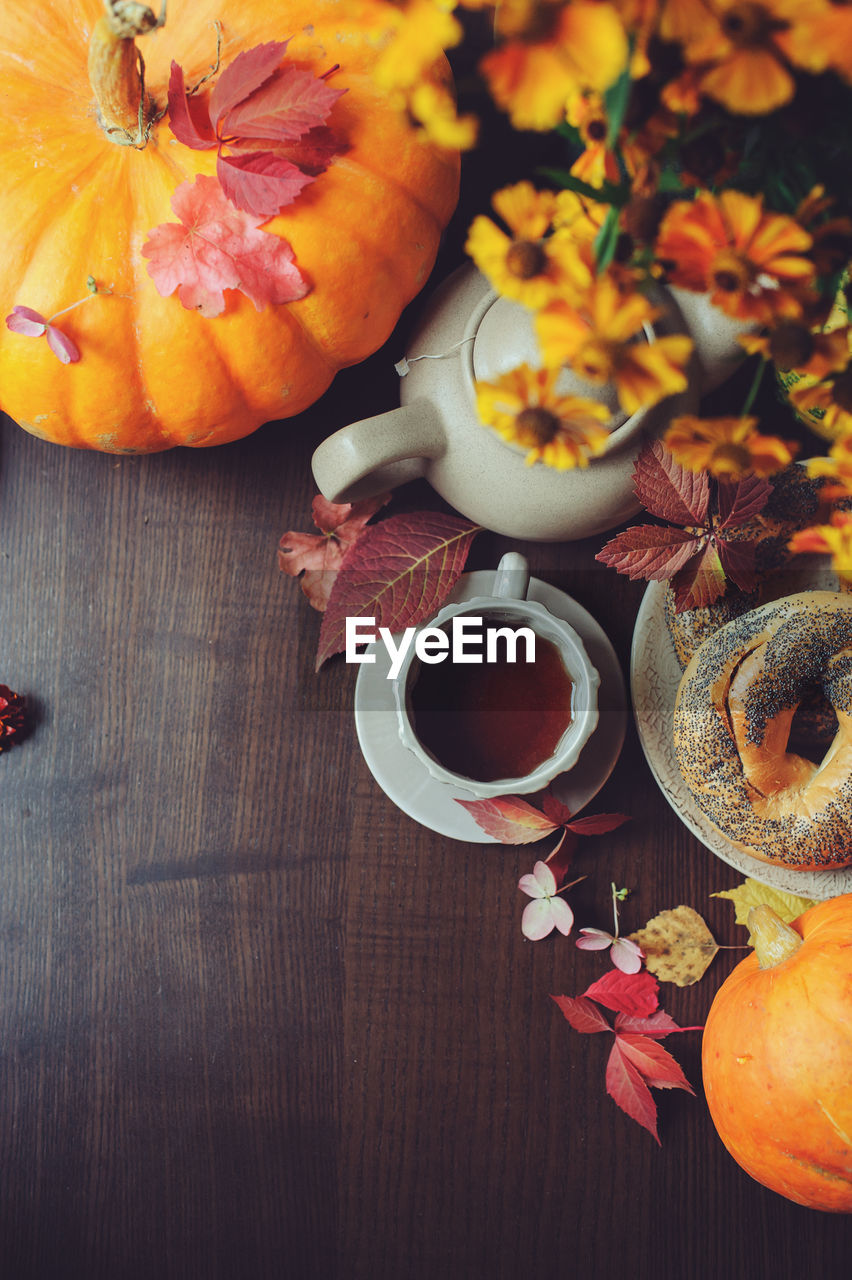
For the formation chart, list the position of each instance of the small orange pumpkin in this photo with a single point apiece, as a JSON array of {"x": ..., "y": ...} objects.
[
  {"x": 75, "y": 205},
  {"x": 777, "y": 1056}
]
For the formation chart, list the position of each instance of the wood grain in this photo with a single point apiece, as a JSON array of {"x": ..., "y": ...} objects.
[{"x": 255, "y": 1022}]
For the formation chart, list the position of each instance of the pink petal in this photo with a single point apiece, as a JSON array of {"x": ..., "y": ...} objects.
[
  {"x": 531, "y": 887},
  {"x": 62, "y": 346},
  {"x": 626, "y": 955},
  {"x": 26, "y": 321},
  {"x": 545, "y": 878},
  {"x": 537, "y": 920},
  {"x": 594, "y": 940},
  {"x": 563, "y": 916}
]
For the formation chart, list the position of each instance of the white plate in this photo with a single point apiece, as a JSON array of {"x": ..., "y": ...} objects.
[
  {"x": 654, "y": 678},
  {"x": 433, "y": 804}
]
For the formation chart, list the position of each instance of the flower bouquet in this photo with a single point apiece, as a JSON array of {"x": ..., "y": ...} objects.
[{"x": 699, "y": 143}]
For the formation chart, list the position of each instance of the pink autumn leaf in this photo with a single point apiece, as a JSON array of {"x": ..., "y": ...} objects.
[
  {"x": 547, "y": 911},
  {"x": 627, "y": 1088},
  {"x": 582, "y": 1014},
  {"x": 509, "y": 819},
  {"x": 318, "y": 556},
  {"x": 216, "y": 247},
  {"x": 657, "y": 1065}
]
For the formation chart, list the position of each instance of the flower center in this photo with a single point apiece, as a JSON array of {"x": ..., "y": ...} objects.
[
  {"x": 731, "y": 458},
  {"x": 526, "y": 259},
  {"x": 596, "y": 130},
  {"x": 791, "y": 345},
  {"x": 750, "y": 25},
  {"x": 538, "y": 424},
  {"x": 730, "y": 273}
]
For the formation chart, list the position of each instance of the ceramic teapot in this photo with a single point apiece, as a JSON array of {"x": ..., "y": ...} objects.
[{"x": 468, "y": 333}]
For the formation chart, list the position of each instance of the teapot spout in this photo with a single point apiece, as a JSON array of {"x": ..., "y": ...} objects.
[{"x": 379, "y": 453}]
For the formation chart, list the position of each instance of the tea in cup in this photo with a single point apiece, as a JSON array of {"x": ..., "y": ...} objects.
[{"x": 499, "y": 695}]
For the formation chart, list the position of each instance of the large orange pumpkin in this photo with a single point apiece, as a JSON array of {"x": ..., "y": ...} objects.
[
  {"x": 75, "y": 205},
  {"x": 777, "y": 1056}
]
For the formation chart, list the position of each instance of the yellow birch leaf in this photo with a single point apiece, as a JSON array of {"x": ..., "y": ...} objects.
[
  {"x": 751, "y": 893},
  {"x": 677, "y": 945}
]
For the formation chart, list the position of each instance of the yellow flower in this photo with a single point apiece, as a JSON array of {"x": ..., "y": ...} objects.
[
  {"x": 834, "y": 539},
  {"x": 751, "y": 262},
  {"x": 419, "y": 33},
  {"x": 792, "y": 345},
  {"x": 608, "y": 338},
  {"x": 433, "y": 106},
  {"x": 729, "y": 448},
  {"x": 837, "y": 466},
  {"x": 833, "y": 396},
  {"x": 564, "y": 47},
  {"x": 745, "y": 58},
  {"x": 524, "y": 407},
  {"x": 581, "y": 217},
  {"x": 525, "y": 266}
]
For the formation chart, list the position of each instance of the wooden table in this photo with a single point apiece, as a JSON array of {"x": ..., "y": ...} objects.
[{"x": 254, "y": 1021}]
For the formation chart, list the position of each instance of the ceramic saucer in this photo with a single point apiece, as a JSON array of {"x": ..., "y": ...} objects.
[
  {"x": 654, "y": 677},
  {"x": 433, "y": 804}
]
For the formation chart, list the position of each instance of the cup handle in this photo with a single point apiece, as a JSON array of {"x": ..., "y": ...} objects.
[
  {"x": 512, "y": 579},
  {"x": 378, "y": 453}
]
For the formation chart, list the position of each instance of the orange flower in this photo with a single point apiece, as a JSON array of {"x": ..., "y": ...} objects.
[
  {"x": 729, "y": 448},
  {"x": 830, "y": 399},
  {"x": 557, "y": 50},
  {"x": 837, "y": 466},
  {"x": 608, "y": 337},
  {"x": 834, "y": 539},
  {"x": 745, "y": 59},
  {"x": 524, "y": 265},
  {"x": 524, "y": 407},
  {"x": 792, "y": 345},
  {"x": 751, "y": 262}
]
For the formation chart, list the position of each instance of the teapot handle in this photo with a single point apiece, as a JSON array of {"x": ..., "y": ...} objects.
[{"x": 379, "y": 453}]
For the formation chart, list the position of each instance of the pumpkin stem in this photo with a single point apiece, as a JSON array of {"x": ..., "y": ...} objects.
[
  {"x": 772, "y": 939},
  {"x": 117, "y": 70}
]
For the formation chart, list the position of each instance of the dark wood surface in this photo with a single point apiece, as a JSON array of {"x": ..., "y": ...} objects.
[{"x": 254, "y": 1021}]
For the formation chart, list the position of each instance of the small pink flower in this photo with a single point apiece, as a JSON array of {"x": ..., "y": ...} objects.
[
  {"x": 547, "y": 911},
  {"x": 625, "y": 954},
  {"x": 32, "y": 324}
]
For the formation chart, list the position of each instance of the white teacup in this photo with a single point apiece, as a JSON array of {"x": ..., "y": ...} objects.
[{"x": 519, "y": 737}]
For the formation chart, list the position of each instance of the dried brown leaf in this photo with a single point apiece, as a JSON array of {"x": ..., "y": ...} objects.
[{"x": 678, "y": 946}]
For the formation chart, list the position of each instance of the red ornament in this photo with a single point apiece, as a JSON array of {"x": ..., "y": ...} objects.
[{"x": 12, "y": 707}]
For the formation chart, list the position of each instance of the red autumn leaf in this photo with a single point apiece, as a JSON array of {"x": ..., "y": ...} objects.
[
  {"x": 509, "y": 819},
  {"x": 656, "y": 1064},
  {"x": 627, "y": 1088},
  {"x": 400, "y": 573},
  {"x": 699, "y": 582},
  {"x": 657, "y": 1025},
  {"x": 216, "y": 247},
  {"x": 554, "y": 809},
  {"x": 268, "y": 123},
  {"x": 737, "y": 560},
  {"x": 739, "y": 502},
  {"x": 319, "y": 555},
  {"x": 597, "y": 824},
  {"x": 634, "y": 994},
  {"x": 667, "y": 489},
  {"x": 582, "y": 1014},
  {"x": 650, "y": 551}
]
